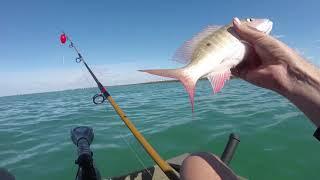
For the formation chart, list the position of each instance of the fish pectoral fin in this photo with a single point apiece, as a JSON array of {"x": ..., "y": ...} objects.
[
  {"x": 218, "y": 79},
  {"x": 185, "y": 52}
]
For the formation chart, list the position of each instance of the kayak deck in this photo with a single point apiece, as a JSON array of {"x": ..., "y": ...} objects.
[{"x": 153, "y": 173}]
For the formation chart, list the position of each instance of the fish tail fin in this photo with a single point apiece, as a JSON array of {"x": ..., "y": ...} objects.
[{"x": 188, "y": 82}]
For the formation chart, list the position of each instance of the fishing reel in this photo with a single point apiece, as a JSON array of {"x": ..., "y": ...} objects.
[{"x": 98, "y": 98}]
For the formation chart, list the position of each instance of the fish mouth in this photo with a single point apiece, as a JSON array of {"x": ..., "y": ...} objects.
[
  {"x": 266, "y": 26},
  {"x": 270, "y": 24}
]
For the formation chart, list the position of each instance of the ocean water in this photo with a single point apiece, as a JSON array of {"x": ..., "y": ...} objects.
[{"x": 276, "y": 139}]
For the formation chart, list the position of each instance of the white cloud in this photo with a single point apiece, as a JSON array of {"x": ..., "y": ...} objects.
[
  {"x": 300, "y": 51},
  {"x": 71, "y": 78},
  {"x": 310, "y": 57},
  {"x": 306, "y": 53},
  {"x": 279, "y": 36}
]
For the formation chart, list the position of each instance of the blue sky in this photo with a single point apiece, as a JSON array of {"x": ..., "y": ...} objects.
[{"x": 119, "y": 37}]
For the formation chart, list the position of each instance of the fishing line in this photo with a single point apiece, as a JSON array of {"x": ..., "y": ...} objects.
[
  {"x": 86, "y": 78},
  {"x": 103, "y": 96},
  {"x": 135, "y": 153}
]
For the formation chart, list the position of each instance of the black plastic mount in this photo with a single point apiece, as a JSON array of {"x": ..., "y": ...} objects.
[
  {"x": 82, "y": 137},
  {"x": 230, "y": 148}
]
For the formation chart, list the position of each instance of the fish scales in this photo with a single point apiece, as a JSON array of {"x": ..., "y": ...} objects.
[{"x": 212, "y": 53}]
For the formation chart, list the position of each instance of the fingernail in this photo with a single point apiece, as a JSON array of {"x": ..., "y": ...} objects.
[{"x": 236, "y": 21}]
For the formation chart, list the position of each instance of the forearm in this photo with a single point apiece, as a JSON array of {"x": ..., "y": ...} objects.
[{"x": 303, "y": 88}]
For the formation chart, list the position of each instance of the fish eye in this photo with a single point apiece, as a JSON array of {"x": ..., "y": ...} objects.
[{"x": 250, "y": 19}]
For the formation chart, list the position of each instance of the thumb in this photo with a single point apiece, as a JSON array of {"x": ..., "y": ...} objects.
[{"x": 245, "y": 32}]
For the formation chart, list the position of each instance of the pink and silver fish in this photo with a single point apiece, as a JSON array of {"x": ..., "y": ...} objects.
[{"x": 211, "y": 53}]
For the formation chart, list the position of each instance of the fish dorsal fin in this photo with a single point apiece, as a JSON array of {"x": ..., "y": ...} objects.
[
  {"x": 218, "y": 79},
  {"x": 184, "y": 53}
]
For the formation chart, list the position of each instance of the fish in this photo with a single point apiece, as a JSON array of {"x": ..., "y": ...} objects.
[{"x": 211, "y": 53}]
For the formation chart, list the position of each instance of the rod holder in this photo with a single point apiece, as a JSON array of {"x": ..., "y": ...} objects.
[{"x": 230, "y": 148}]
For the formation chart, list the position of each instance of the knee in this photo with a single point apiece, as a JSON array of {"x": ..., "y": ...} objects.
[
  {"x": 195, "y": 166},
  {"x": 204, "y": 165}
]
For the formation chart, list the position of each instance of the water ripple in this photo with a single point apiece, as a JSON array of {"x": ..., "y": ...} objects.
[{"x": 35, "y": 129}]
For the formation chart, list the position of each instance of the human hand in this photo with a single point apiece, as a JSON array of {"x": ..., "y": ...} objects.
[
  {"x": 267, "y": 60},
  {"x": 271, "y": 64}
]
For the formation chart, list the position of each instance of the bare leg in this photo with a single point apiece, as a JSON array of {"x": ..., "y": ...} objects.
[{"x": 205, "y": 166}]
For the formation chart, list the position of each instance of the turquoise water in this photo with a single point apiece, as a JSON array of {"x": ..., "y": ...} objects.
[{"x": 276, "y": 139}]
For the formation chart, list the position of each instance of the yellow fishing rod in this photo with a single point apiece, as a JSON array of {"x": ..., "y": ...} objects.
[{"x": 100, "y": 98}]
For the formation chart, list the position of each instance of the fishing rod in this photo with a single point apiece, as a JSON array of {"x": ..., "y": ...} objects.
[{"x": 103, "y": 95}]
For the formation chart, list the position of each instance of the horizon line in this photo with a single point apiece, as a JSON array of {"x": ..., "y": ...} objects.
[{"x": 54, "y": 91}]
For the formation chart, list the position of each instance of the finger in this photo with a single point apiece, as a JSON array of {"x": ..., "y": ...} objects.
[
  {"x": 257, "y": 75},
  {"x": 246, "y": 33},
  {"x": 240, "y": 72},
  {"x": 242, "y": 68},
  {"x": 250, "y": 75},
  {"x": 239, "y": 69},
  {"x": 235, "y": 71}
]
